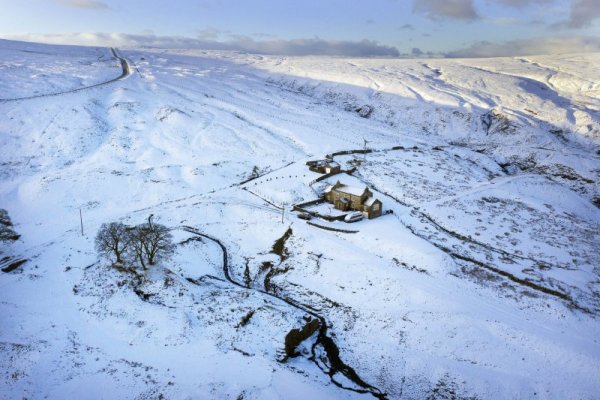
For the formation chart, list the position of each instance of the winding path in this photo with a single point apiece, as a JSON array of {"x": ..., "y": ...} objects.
[
  {"x": 125, "y": 72},
  {"x": 328, "y": 359}
]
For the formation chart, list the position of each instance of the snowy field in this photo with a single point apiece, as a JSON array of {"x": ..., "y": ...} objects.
[
  {"x": 30, "y": 69},
  {"x": 482, "y": 283}
]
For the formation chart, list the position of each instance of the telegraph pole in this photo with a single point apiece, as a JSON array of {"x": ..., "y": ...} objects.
[
  {"x": 81, "y": 221},
  {"x": 365, "y": 149}
]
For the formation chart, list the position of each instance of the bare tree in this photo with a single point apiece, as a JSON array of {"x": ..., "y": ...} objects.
[
  {"x": 151, "y": 243},
  {"x": 113, "y": 239},
  {"x": 147, "y": 243},
  {"x": 137, "y": 244}
]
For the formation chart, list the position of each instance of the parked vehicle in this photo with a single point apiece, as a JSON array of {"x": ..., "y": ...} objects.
[
  {"x": 354, "y": 217},
  {"x": 305, "y": 216}
]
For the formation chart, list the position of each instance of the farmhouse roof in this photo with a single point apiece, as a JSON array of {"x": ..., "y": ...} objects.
[{"x": 351, "y": 190}]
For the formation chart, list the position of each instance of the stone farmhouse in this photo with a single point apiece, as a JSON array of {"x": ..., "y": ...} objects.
[{"x": 348, "y": 198}]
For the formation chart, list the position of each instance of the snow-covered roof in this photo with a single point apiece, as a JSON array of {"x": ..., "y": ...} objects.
[
  {"x": 351, "y": 190},
  {"x": 321, "y": 162},
  {"x": 333, "y": 164},
  {"x": 369, "y": 202}
]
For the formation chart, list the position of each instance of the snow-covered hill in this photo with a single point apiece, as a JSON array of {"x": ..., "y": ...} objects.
[{"x": 483, "y": 282}]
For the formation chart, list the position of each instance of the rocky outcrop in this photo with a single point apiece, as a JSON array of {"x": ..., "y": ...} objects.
[{"x": 495, "y": 121}]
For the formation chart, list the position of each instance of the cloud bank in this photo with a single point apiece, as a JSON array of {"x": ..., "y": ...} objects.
[
  {"x": 317, "y": 46},
  {"x": 298, "y": 47},
  {"x": 522, "y": 3},
  {"x": 583, "y": 12},
  {"x": 524, "y": 47}
]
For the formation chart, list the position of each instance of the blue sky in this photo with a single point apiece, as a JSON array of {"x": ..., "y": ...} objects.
[{"x": 337, "y": 27}]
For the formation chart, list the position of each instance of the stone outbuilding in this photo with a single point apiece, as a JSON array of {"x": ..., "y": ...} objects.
[
  {"x": 349, "y": 198},
  {"x": 324, "y": 166}
]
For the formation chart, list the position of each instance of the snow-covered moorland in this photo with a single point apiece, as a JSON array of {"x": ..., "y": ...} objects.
[{"x": 483, "y": 282}]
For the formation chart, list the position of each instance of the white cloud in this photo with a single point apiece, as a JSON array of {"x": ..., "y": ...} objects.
[
  {"x": 504, "y": 21},
  {"x": 446, "y": 9},
  {"x": 85, "y": 4}
]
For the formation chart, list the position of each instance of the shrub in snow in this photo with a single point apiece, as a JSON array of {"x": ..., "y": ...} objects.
[
  {"x": 6, "y": 231},
  {"x": 365, "y": 111}
]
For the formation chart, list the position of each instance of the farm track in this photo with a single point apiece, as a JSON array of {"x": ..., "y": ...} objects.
[
  {"x": 324, "y": 342},
  {"x": 125, "y": 72}
]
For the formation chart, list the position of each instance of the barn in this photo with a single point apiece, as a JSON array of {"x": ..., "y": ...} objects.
[{"x": 324, "y": 166}]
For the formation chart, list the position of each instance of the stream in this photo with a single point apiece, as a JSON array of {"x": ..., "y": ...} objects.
[{"x": 325, "y": 353}]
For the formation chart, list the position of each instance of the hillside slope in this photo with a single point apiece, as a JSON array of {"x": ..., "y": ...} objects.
[{"x": 481, "y": 283}]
